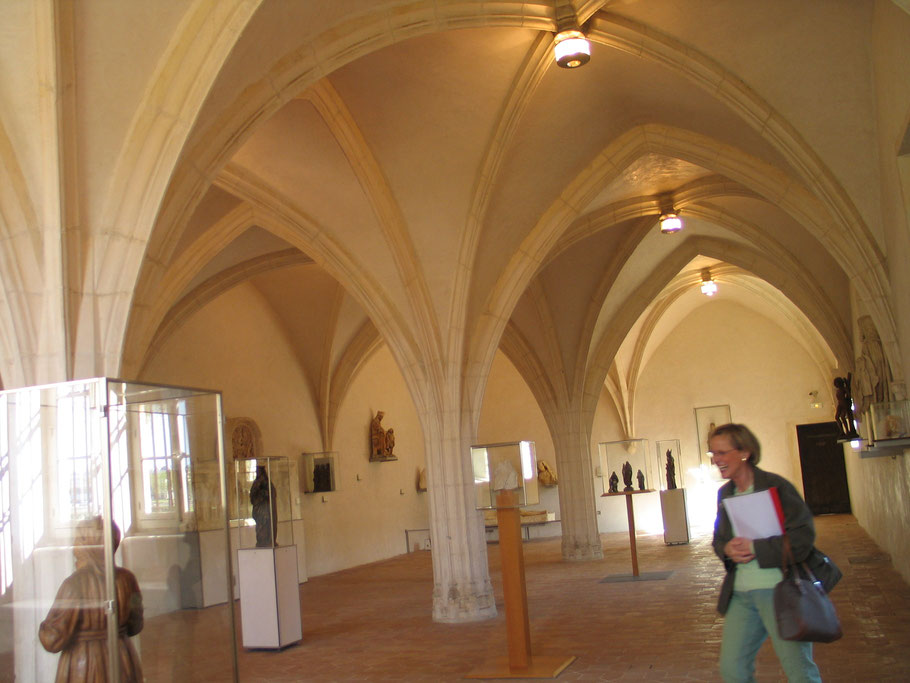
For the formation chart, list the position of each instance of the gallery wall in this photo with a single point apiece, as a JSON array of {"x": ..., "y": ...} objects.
[
  {"x": 235, "y": 346},
  {"x": 720, "y": 354}
]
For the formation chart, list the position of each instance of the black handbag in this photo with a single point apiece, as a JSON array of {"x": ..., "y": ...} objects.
[{"x": 802, "y": 608}]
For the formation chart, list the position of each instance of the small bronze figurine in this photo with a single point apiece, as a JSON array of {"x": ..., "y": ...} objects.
[
  {"x": 844, "y": 413},
  {"x": 671, "y": 470},
  {"x": 641, "y": 481},
  {"x": 264, "y": 500},
  {"x": 627, "y": 476},
  {"x": 614, "y": 483}
]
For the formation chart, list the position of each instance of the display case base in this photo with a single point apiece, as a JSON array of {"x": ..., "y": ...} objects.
[
  {"x": 269, "y": 597},
  {"x": 676, "y": 520},
  {"x": 541, "y": 666}
]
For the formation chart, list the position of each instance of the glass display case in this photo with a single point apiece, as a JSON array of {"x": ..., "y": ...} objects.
[
  {"x": 262, "y": 502},
  {"x": 505, "y": 474},
  {"x": 266, "y": 554},
  {"x": 890, "y": 420},
  {"x": 317, "y": 472},
  {"x": 624, "y": 466},
  {"x": 670, "y": 472},
  {"x": 116, "y": 479}
]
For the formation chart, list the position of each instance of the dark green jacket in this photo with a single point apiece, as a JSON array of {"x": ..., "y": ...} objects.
[{"x": 798, "y": 524}]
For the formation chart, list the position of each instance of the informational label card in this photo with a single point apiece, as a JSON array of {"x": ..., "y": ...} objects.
[{"x": 756, "y": 515}]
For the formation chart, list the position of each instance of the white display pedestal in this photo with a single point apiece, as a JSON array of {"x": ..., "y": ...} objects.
[
  {"x": 676, "y": 521},
  {"x": 269, "y": 596}
]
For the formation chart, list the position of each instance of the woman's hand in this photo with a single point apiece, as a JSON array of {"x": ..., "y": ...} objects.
[{"x": 739, "y": 550}]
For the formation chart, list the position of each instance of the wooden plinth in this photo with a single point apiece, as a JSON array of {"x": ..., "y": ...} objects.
[
  {"x": 540, "y": 666},
  {"x": 519, "y": 663},
  {"x": 518, "y": 630},
  {"x": 631, "y": 515}
]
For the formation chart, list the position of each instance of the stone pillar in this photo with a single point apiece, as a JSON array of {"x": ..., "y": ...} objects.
[
  {"x": 577, "y": 508},
  {"x": 462, "y": 589}
]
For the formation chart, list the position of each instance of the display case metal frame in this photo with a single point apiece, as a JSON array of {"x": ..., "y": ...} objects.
[{"x": 125, "y": 452}]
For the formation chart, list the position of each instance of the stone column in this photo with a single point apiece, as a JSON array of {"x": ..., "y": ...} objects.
[
  {"x": 462, "y": 590},
  {"x": 577, "y": 508}
]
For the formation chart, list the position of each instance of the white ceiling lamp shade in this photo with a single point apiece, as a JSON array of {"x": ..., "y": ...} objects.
[
  {"x": 571, "y": 48},
  {"x": 670, "y": 222},
  {"x": 708, "y": 286}
]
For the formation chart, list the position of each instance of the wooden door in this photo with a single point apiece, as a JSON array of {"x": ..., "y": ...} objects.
[{"x": 824, "y": 472}]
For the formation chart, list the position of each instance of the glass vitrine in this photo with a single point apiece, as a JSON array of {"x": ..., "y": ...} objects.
[
  {"x": 670, "y": 473},
  {"x": 890, "y": 420},
  {"x": 505, "y": 475},
  {"x": 262, "y": 508},
  {"x": 624, "y": 465},
  {"x": 267, "y": 565},
  {"x": 101, "y": 476},
  {"x": 670, "y": 468}
]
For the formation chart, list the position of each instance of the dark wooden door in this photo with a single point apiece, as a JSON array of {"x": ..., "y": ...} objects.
[{"x": 824, "y": 473}]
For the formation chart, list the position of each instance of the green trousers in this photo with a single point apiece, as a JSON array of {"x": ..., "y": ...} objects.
[{"x": 747, "y": 624}]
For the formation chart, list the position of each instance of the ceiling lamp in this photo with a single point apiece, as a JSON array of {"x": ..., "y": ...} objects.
[
  {"x": 670, "y": 222},
  {"x": 571, "y": 49},
  {"x": 708, "y": 286}
]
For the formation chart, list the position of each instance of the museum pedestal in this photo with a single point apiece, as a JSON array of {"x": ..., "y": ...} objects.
[
  {"x": 519, "y": 663},
  {"x": 676, "y": 520},
  {"x": 269, "y": 596},
  {"x": 630, "y": 514}
]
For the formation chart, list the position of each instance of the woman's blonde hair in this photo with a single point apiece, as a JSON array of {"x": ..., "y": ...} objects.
[{"x": 743, "y": 440}]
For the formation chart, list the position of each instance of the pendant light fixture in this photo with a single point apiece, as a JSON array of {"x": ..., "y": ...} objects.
[
  {"x": 571, "y": 48},
  {"x": 708, "y": 286}
]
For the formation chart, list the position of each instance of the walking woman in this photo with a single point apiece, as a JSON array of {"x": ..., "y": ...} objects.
[{"x": 753, "y": 566}]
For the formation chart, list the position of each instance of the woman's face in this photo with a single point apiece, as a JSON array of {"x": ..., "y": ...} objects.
[{"x": 728, "y": 459}]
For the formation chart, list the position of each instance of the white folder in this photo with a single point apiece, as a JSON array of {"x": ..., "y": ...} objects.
[{"x": 755, "y": 515}]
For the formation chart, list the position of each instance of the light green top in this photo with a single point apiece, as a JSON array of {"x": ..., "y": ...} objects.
[{"x": 749, "y": 576}]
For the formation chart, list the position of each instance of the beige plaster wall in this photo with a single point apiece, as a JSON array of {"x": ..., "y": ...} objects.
[
  {"x": 880, "y": 487},
  {"x": 365, "y": 520},
  {"x": 727, "y": 354},
  {"x": 247, "y": 357},
  {"x": 880, "y": 494}
]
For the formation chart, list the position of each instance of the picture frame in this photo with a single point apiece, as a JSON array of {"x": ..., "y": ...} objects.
[{"x": 706, "y": 419}]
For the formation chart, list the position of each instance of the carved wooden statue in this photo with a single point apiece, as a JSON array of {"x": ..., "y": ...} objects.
[
  {"x": 627, "y": 476},
  {"x": 382, "y": 441},
  {"x": 671, "y": 470},
  {"x": 614, "y": 483},
  {"x": 76, "y": 625},
  {"x": 264, "y": 500}
]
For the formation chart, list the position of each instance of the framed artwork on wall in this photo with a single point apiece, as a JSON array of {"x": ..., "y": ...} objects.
[{"x": 706, "y": 419}]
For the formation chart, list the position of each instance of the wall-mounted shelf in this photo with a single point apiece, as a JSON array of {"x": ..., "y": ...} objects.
[{"x": 885, "y": 447}]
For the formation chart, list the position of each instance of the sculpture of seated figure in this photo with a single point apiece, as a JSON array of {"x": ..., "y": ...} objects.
[{"x": 614, "y": 483}]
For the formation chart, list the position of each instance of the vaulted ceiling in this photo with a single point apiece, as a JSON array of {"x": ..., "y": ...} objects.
[{"x": 423, "y": 175}]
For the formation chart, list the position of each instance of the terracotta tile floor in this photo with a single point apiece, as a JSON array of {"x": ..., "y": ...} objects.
[{"x": 373, "y": 623}]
